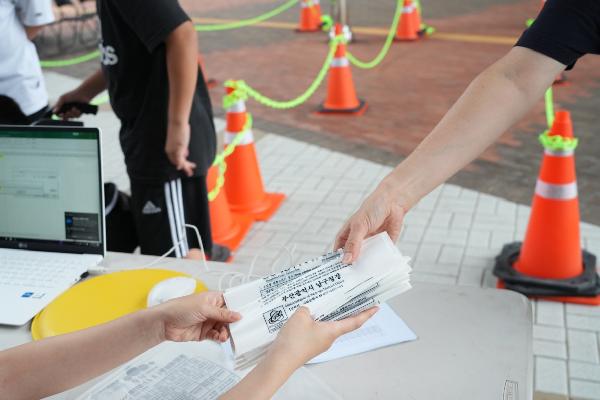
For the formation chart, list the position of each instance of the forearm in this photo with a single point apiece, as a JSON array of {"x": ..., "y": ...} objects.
[
  {"x": 492, "y": 103},
  {"x": 32, "y": 31},
  {"x": 263, "y": 381},
  {"x": 182, "y": 66},
  {"x": 42, "y": 368},
  {"x": 93, "y": 85}
]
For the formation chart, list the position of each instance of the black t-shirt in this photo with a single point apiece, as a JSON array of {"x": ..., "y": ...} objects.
[
  {"x": 565, "y": 30},
  {"x": 135, "y": 66}
]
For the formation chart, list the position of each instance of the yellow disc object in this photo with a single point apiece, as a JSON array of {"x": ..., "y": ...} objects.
[{"x": 99, "y": 300}]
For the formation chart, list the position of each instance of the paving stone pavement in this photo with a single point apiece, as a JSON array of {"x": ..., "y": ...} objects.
[{"x": 453, "y": 235}]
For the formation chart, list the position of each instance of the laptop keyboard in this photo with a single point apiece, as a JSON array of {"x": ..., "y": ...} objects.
[{"x": 37, "y": 271}]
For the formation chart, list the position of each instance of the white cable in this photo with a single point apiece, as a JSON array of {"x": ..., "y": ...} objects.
[
  {"x": 157, "y": 260},
  {"x": 204, "y": 263},
  {"x": 290, "y": 254},
  {"x": 223, "y": 275},
  {"x": 98, "y": 270}
]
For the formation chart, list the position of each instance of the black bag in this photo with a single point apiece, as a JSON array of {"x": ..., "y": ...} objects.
[{"x": 120, "y": 227}]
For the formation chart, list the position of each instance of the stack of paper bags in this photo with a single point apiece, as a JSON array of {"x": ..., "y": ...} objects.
[{"x": 330, "y": 289}]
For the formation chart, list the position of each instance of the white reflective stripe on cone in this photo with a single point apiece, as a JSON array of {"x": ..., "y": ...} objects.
[
  {"x": 237, "y": 107},
  {"x": 559, "y": 153},
  {"x": 567, "y": 191},
  {"x": 340, "y": 62},
  {"x": 409, "y": 9},
  {"x": 246, "y": 139}
]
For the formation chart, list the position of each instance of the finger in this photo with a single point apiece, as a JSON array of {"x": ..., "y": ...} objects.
[
  {"x": 341, "y": 237},
  {"x": 205, "y": 331},
  {"x": 213, "y": 335},
  {"x": 57, "y": 106},
  {"x": 352, "y": 323},
  {"x": 223, "y": 334},
  {"x": 303, "y": 311},
  {"x": 188, "y": 167},
  {"x": 394, "y": 230},
  {"x": 357, "y": 232},
  {"x": 221, "y": 314},
  {"x": 395, "y": 224},
  {"x": 215, "y": 297}
]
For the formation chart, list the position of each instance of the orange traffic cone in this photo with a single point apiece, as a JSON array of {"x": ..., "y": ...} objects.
[
  {"x": 210, "y": 83},
  {"x": 228, "y": 228},
  {"x": 410, "y": 22},
  {"x": 550, "y": 263},
  {"x": 243, "y": 181},
  {"x": 317, "y": 5},
  {"x": 310, "y": 17},
  {"x": 341, "y": 95}
]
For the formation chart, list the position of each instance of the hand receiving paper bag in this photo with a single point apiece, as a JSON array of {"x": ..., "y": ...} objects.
[{"x": 330, "y": 289}]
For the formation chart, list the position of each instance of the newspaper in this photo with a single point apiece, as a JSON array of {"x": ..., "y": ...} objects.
[
  {"x": 331, "y": 289},
  {"x": 193, "y": 371},
  {"x": 171, "y": 371}
]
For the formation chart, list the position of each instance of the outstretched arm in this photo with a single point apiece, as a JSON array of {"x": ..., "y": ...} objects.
[
  {"x": 491, "y": 104},
  {"x": 42, "y": 368}
]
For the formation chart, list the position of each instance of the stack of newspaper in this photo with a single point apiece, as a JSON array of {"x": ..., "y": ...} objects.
[{"x": 330, "y": 289}]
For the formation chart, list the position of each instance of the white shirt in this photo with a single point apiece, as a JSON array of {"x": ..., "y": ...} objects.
[{"x": 20, "y": 72}]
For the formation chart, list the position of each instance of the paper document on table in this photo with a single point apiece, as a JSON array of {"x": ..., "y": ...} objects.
[
  {"x": 330, "y": 289},
  {"x": 384, "y": 329},
  {"x": 170, "y": 371}
]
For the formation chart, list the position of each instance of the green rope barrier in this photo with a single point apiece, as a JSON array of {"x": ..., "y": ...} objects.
[
  {"x": 558, "y": 143},
  {"x": 386, "y": 46},
  {"x": 242, "y": 90},
  {"x": 548, "y": 98},
  {"x": 212, "y": 195},
  {"x": 426, "y": 29},
  {"x": 99, "y": 100},
  {"x": 70, "y": 61},
  {"x": 220, "y": 158},
  {"x": 251, "y": 21},
  {"x": 326, "y": 22}
]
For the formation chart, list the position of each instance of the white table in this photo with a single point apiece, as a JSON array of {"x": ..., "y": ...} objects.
[{"x": 473, "y": 344}]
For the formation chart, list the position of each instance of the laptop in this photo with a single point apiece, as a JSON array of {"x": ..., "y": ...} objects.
[{"x": 51, "y": 215}]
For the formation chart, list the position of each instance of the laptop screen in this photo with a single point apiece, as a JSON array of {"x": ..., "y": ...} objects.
[{"x": 51, "y": 189}]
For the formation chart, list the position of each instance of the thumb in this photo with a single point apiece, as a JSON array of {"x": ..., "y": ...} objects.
[
  {"x": 352, "y": 323},
  {"x": 58, "y": 104},
  {"x": 357, "y": 232},
  {"x": 221, "y": 314}
]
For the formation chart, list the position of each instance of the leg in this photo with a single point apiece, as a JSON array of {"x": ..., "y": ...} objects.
[
  {"x": 157, "y": 210},
  {"x": 195, "y": 206}
]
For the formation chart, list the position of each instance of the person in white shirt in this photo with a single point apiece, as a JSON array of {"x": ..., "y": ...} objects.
[{"x": 21, "y": 78}]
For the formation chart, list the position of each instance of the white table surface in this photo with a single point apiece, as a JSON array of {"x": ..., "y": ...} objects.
[{"x": 473, "y": 343}]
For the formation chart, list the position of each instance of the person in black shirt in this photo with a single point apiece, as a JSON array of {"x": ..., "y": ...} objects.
[
  {"x": 564, "y": 31},
  {"x": 149, "y": 65}
]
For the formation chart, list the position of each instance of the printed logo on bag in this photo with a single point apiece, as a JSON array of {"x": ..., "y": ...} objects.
[
  {"x": 275, "y": 319},
  {"x": 150, "y": 208}
]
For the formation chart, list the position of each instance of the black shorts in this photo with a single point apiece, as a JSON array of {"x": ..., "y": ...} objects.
[{"x": 161, "y": 210}]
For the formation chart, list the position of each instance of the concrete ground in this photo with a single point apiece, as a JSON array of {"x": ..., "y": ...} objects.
[{"x": 326, "y": 165}]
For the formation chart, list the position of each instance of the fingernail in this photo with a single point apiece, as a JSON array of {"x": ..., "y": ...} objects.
[{"x": 347, "y": 258}]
